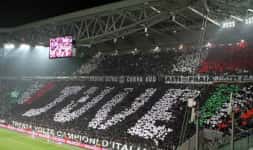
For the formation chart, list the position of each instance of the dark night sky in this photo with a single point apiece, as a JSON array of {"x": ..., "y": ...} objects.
[{"x": 18, "y": 12}]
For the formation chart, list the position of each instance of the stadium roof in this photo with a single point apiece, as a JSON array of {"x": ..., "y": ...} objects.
[
  {"x": 16, "y": 13},
  {"x": 123, "y": 24}
]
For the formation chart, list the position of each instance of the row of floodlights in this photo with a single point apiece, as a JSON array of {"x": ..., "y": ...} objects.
[
  {"x": 231, "y": 24},
  {"x": 21, "y": 46},
  {"x": 249, "y": 20}
]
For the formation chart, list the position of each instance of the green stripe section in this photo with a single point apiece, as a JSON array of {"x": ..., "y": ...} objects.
[{"x": 215, "y": 102}]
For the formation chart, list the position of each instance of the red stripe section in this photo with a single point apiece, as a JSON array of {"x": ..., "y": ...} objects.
[
  {"x": 47, "y": 87},
  {"x": 247, "y": 115},
  {"x": 232, "y": 59}
]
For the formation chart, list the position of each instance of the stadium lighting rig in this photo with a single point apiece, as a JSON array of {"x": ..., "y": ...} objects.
[
  {"x": 115, "y": 40},
  {"x": 24, "y": 46},
  {"x": 181, "y": 46},
  {"x": 249, "y": 20},
  {"x": 39, "y": 47},
  {"x": 146, "y": 29},
  {"x": 237, "y": 18},
  {"x": 9, "y": 46},
  {"x": 157, "y": 49},
  {"x": 21, "y": 46},
  {"x": 228, "y": 24},
  {"x": 250, "y": 10},
  {"x": 155, "y": 9},
  {"x": 208, "y": 45}
]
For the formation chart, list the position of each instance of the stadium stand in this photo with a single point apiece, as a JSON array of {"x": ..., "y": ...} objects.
[
  {"x": 90, "y": 65},
  {"x": 139, "y": 64},
  {"x": 145, "y": 75},
  {"x": 231, "y": 59},
  {"x": 215, "y": 60},
  {"x": 215, "y": 112},
  {"x": 188, "y": 63},
  {"x": 150, "y": 115},
  {"x": 11, "y": 94},
  {"x": 220, "y": 60}
]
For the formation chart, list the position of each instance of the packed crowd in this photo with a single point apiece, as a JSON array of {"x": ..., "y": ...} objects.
[
  {"x": 68, "y": 114},
  {"x": 138, "y": 114},
  {"x": 139, "y": 64},
  {"x": 11, "y": 94},
  {"x": 66, "y": 92},
  {"x": 217, "y": 60},
  {"x": 115, "y": 119},
  {"x": 147, "y": 114},
  {"x": 162, "y": 110},
  {"x": 215, "y": 102},
  {"x": 35, "y": 86},
  {"x": 228, "y": 59},
  {"x": 89, "y": 66},
  {"x": 189, "y": 63},
  {"x": 217, "y": 110}
]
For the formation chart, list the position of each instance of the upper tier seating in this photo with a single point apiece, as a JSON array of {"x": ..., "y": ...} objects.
[
  {"x": 231, "y": 59},
  {"x": 189, "y": 63},
  {"x": 136, "y": 64}
]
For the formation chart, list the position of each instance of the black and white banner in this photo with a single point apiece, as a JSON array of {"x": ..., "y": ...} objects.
[{"x": 169, "y": 79}]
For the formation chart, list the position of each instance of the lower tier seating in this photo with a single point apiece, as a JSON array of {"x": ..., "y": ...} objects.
[{"x": 139, "y": 114}]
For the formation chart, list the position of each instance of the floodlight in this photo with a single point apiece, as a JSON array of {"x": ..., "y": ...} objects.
[
  {"x": 156, "y": 49},
  {"x": 24, "y": 46},
  {"x": 209, "y": 45},
  {"x": 249, "y": 20},
  {"x": 228, "y": 24},
  {"x": 39, "y": 47},
  {"x": 181, "y": 46},
  {"x": 9, "y": 46},
  {"x": 145, "y": 29}
]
